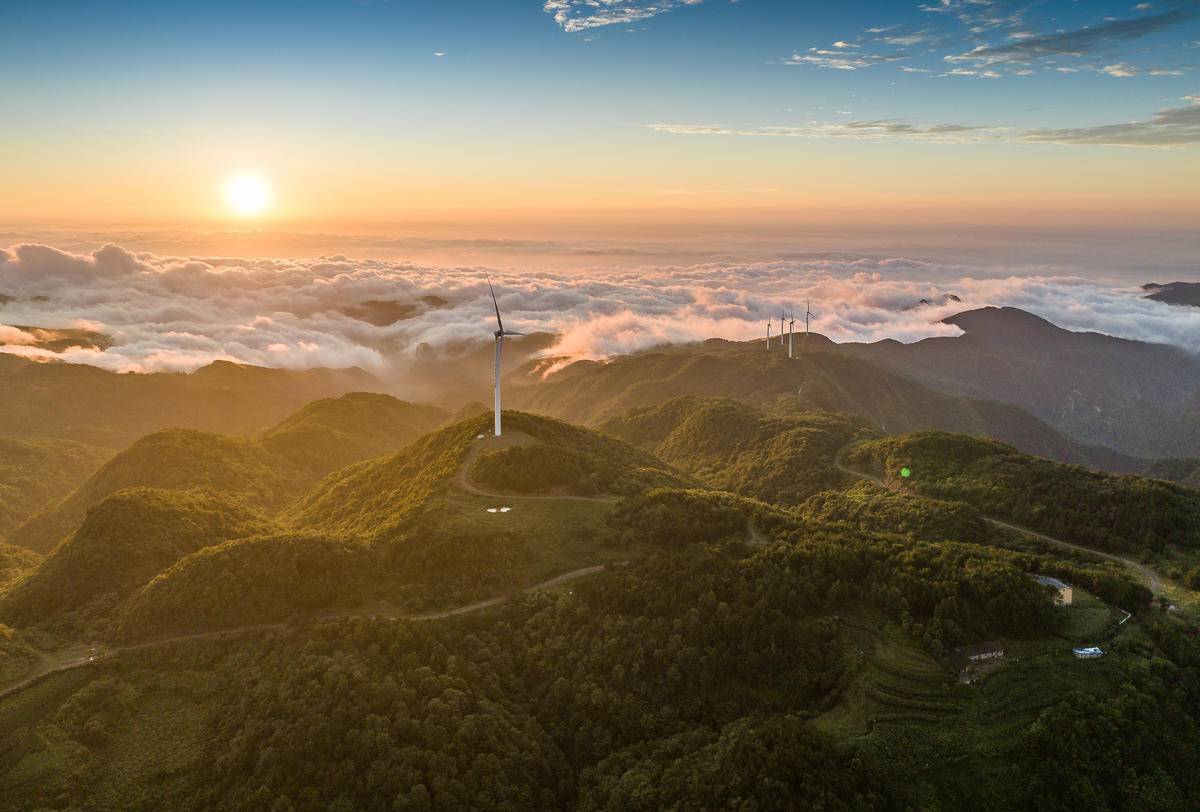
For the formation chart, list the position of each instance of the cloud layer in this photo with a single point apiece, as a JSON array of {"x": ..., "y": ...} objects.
[{"x": 176, "y": 313}]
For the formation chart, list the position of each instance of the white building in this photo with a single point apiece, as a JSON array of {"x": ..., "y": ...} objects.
[{"x": 1064, "y": 596}]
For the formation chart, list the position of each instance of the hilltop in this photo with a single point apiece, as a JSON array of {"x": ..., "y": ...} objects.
[
  {"x": 376, "y": 498},
  {"x": 125, "y": 541},
  {"x": 177, "y": 459},
  {"x": 332, "y": 433},
  {"x": 1176, "y": 293},
  {"x": 731, "y": 446},
  {"x": 265, "y": 473},
  {"x": 1135, "y": 397},
  {"x": 823, "y": 378}
]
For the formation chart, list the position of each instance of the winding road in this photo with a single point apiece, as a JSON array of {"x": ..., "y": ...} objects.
[
  {"x": 108, "y": 653},
  {"x": 1153, "y": 580},
  {"x": 464, "y": 482},
  {"x": 481, "y": 445}
]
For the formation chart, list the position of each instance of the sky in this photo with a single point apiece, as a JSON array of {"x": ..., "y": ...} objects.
[
  {"x": 538, "y": 118},
  {"x": 213, "y": 179}
]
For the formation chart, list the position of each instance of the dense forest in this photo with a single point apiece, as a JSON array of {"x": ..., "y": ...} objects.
[
  {"x": 682, "y": 681},
  {"x": 723, "y": 620},
  {"x": 1105, "y": 511},
  {"x": 731, "y": 446},
  {"x": 35, "y": 472}
]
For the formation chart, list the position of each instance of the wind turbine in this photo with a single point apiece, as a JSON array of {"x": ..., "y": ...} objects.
[
  {"x": 768, "y": 331},
  {"x": 500, "y": 334},
  {"x": 791, "y": 332},
  {"x": 807, "y": 314},
  {"x": 781, "y": 326}
]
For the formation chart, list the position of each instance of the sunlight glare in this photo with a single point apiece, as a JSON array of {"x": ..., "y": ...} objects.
[{"x": 247, "y": 195}]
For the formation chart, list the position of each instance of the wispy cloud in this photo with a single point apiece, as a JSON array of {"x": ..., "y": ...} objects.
[
  {"x": 842, "y": 60},
  {"x": 1171, "y": 127},
  {"x": 1123, "y": 70},
  {"x": 944, "y": 133},
  {"x": 581, "y": 15},
  {"x": 1003, "y": 37},
  {"x": 1078, "y": 42}
]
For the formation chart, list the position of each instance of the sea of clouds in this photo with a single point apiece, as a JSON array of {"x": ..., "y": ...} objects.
[{"x": 168, "y": 313}]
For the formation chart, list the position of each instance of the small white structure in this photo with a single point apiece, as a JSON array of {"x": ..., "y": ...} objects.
[
  {"x": 1088, "y": 652},
  {"x": 1064, "y": 597}
]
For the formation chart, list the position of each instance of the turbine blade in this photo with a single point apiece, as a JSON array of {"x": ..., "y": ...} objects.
[
  {"x": 499, "y": 321},
  {"x": 512, "y": 333}
]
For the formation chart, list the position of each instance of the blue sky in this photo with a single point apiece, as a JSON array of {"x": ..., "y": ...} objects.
[{"x": 640, "y": 100}]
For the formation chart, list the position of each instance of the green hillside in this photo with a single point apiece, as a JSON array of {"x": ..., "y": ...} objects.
[
  {"x": 14, "y": 562},
  {"x": 90, "y": 405},
  {"x": 676, "y": 518},
  {"x": 123, "y": 542},
  {"x": 248, "y": 581},
  {"x": 732, "y": 446},
  {"x": 871, "y": 508},
  {"x": 37, "y": 472},
  {"x": 376, "y": 498},
  {"x": 804, "y": 672},
  {"x": 176, "y": 459},
  {"x": 824, "y": 378},
  {"x": 721, "y": 618},
  {"x": 335, "y": 432},
  {"x": 1104, "y": 511},
  {"x": 266, "y": 472}
]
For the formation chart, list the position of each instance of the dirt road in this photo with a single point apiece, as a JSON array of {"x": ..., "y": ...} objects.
[
  {"x": 103, "y": 653},
  {"x": 1152, "y": 578}
]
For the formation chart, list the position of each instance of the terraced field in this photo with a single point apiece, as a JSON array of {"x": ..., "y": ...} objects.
[{"x": 895, "y": 683}]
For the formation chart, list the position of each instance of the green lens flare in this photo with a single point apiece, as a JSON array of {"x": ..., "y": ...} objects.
[{"x": 905, "y": 472}]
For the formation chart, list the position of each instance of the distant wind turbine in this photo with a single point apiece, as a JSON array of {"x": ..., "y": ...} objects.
[
  {"x": 781, "y": 327},
  {"x": 768, "y": 331},
  {"x": 500, "y": 334},
  {"x": 807, "y": 315},
  {"x": 791, "y": 332}
]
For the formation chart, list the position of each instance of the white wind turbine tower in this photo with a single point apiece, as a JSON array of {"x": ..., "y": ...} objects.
[
  {"x": 807, "y": 314},
  {"x": 500, "y": 334},
  {"x": 781, "y": 326},
  {"x": 791, "y": 332},
  {"x": 768, "y": 331}
]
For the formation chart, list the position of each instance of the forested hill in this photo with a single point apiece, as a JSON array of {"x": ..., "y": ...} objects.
[
  {"x": 823, "y": 378},
  {"x": 538, "y": 455},
  {"x": 559, "y": 618},
  {"x": 1103, "y": 511},
  {"x": 38, "y": 471},
  {"x": 732, "y": 446},
  {"x": 94, "y": 406},
  {"x": 264, "y": 473}
]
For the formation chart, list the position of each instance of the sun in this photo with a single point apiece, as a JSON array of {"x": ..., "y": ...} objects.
[{"x": 247, "y": 195}]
